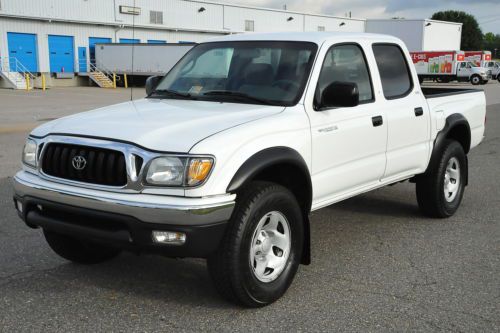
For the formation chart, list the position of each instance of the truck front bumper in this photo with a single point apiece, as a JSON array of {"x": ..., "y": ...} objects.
[{"x": 124, "y": 220}]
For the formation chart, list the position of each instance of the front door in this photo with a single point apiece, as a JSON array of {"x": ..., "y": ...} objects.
[
  {"x": 82, "y": 59},
  {"x": 348, "y": 143},
  {"x": 464, "y": 70}
]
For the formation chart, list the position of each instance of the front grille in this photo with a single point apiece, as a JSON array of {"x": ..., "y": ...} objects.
[{"x": 99, "y": 166}]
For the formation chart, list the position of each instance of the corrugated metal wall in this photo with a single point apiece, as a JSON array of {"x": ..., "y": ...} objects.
[{"x": 192, "y": 21}]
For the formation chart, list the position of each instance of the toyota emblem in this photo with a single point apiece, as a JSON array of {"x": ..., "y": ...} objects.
[{"x": 79, "y": 162}]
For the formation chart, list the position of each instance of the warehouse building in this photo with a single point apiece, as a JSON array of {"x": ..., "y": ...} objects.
[{"x": 58, "y": 37}]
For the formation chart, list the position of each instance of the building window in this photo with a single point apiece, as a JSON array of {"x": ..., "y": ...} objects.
[
  {"x": 249, "y": 25},
  {"x": 155, "y": 17},
  {"x": 321, "y": 28}
]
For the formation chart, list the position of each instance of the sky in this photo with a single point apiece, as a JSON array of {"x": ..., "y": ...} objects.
[{"x": 487, "y": 12}]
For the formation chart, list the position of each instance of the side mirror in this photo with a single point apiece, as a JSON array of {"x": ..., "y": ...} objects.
[
  {"x": 339, "y": 94},
  {"x": 151, "y": 83}
]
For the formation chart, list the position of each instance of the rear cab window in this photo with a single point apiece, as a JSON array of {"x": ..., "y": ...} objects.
[{"x": 394, "y": 70}]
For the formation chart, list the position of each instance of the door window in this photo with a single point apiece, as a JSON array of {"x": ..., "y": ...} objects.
[
  {"x": 394, "y": 71},
  {"x": 346, "y": 63}
]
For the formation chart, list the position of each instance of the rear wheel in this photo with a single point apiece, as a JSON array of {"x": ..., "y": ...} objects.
[
  {"x": 262, "y": 247},
  {"x": 441, "y": 188},
  {"x": 475, "y": 79},
  {"x": 79, "y": 251}
]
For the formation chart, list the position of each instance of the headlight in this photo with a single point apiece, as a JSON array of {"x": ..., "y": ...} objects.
[
  {"x": 178, "y": 171},
  {"x": 29, "y": 153}
]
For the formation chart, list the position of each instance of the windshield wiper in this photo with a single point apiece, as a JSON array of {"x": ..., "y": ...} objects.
[
  {"x": 240, "y": 96},
  {"x": 171, "y": 93}
]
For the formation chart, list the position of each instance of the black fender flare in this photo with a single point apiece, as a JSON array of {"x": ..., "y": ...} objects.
[
  {"x": 270, "y": 157},
  {"x": 452, "y": 122}
]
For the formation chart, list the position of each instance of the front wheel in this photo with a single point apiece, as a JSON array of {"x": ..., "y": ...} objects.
[
  {"x": 475, "y": 80},
  {"x": 261, "y": 250},
  {"x": 441, "y": 188}
]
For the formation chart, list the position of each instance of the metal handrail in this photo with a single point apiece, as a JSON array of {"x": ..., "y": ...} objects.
[
  {"x": 6, "y": 66},
  {"x": 94, "y": 66}
]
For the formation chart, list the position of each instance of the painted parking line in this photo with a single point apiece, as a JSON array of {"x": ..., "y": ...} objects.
[{"x": 17, "y": 128}]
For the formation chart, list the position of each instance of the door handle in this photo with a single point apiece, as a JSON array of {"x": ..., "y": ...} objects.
[
  {"x": 377, "y": 121},
  {"x": 419, "y": 111}
]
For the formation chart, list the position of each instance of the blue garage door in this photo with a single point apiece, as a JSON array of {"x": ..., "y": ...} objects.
[
  {"x": 61, "y": 54},
  {"x": 92, "y": 42},
  {"x": 23, "y": 48},
  {"x": 129, "y": 41}
]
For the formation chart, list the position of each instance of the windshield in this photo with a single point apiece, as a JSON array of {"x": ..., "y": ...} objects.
[
  {"x": 257, "y": 72},
  {"x": 471, "y": 64}
]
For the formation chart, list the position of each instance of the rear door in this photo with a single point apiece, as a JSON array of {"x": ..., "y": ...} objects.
[
  {"x": 348, "y": 143},
  {"x": 407, "y": 114}
]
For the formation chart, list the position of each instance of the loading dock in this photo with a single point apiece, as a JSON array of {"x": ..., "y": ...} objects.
[
  {"x": 92, "y": 42},
  {"x": 23, "y": 47},
  {"x": 129, "y": 41},
  {"x": 61, "y": 54}
]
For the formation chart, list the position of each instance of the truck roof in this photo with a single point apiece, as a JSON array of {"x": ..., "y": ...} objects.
[{"x": 317, "y": 37}]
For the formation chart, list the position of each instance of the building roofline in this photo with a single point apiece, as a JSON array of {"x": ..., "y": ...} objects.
[
  {"x": 277, "y": 10},
  {"x": 413, "y": 20},
  {"x": 118, "y": 24}
]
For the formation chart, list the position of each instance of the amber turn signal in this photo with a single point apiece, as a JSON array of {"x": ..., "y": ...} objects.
[{"x": 199, "y": 169}]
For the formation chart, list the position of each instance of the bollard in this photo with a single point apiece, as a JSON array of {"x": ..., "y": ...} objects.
[
  {"x": 114, "y": 80},
  {"x": 27, "y": 79},
  {"x": 125, "y": 80},
  {"x": 43, "y": 82}
]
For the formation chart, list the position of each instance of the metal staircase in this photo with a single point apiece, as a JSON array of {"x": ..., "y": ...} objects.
[
  {"x": 102, "y": 77},
  {"x": 15, "y": 73}
]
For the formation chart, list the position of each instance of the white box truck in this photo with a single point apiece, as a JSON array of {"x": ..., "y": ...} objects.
[{"x": 446, "y": 66}]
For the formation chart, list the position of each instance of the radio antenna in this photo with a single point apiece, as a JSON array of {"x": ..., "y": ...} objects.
[{"x": 133, "y": 45}]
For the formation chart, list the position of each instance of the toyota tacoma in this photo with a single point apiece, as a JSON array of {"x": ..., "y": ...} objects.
[{"x": 231, "y": 150}]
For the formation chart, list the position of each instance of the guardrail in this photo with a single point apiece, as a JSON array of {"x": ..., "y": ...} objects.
[
  {"x": 11, "y": 64},
  {"x": 94, "y": 66}
]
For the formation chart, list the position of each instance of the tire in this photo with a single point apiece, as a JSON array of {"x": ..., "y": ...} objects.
[
  {"x": 475, "y": 79},
  {"x": 236, "y": 267},
  {"x": 79, "y": 251},
  {"x": 432, "y": 199}
]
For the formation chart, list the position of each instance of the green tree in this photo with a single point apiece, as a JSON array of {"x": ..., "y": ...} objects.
[
  {"x": 492, "y": 42},
  {"x": 472, "y": 36}
]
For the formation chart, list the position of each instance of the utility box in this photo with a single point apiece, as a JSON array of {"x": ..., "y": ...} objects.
[
  {"x": 139, "y": 59},
  {"x": 420, "y": 35}
]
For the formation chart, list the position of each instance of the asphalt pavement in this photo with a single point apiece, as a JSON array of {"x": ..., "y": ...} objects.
[{"x": 378, "y": 264}]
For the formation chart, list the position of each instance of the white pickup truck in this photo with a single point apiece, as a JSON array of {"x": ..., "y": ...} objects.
[{"x": 237, "y": 144}]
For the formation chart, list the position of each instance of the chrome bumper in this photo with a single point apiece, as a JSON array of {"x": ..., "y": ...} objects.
[{"x": 144, "y": 207}]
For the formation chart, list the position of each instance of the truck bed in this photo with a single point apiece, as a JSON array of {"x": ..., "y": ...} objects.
[{"x": 432, "y": 92}]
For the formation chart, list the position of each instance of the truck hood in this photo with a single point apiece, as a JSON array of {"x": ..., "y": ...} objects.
[{"x": 163, "y": 125}]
